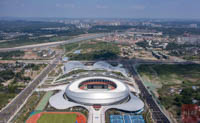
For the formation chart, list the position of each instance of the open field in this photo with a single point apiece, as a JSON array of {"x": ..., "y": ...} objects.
[
  {"x": 94, "y": 50},
  {"x": 171, "y": 74},
  {"x": 57, "y": 118},
  {"x": 173, "y": 85},
  {"x": 5, "y": 98}
]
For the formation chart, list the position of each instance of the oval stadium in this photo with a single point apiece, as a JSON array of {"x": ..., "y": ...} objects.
[{"x": 104, "y": 91}]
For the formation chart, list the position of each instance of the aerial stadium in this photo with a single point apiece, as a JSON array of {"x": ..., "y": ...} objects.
[
  {"x": 97, "y": 88},
  {"x": 97, "y": 91}
]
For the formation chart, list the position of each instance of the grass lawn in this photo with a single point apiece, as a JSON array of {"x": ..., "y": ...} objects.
[
  {"x": 57, "y": 118},
  {"x": 4, "y": 98},
  {"x": 94, "y": 50},
  {"x": 69, "y": 47},
  {"x": 177, "y": 82},
  {"x": 44, "y": 101},
  {"x": 171, "y": 74}
]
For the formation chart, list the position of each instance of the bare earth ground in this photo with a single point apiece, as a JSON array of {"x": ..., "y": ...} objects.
[{"x": 30, "y": 55}]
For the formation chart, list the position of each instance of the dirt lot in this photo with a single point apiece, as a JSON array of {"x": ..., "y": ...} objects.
[{"x": 30, "y": 55}]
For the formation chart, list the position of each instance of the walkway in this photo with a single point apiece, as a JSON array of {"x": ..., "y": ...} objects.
[
  {"x": 44, "y": 101},
  {"x": 96, "y": 116}
]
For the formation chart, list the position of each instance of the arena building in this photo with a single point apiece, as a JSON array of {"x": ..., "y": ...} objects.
[{"x": 97, "y": 92}]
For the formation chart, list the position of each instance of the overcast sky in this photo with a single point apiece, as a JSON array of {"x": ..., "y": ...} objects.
[{"x": 188, "y": 9}]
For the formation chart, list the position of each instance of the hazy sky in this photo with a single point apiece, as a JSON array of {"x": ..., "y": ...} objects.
[{"x": 101, "y": 8}]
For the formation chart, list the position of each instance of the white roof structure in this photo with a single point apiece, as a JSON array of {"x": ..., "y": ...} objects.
[
  {"x": 73, "y": 65},
  {"x": 99, "y": 96},
  {"x": 118, "y": 98},
  {"x": 134, "y": 104},
  {"x": 106, "y": 66},
  {"x": 101, "y": 65},
  {"x": 58, "y": 102}
]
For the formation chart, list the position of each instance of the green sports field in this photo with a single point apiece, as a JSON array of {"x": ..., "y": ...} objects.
[{"x": 57, "y": 118}]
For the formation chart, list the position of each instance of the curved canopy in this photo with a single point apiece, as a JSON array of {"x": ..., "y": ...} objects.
[
  {"x": 71, "y": 65},
  {"x": 102, "y": 65}
]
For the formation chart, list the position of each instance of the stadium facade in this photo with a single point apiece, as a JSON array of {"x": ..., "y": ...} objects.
[
  {"x": 105, "y": 91},
  {"x": 95, "y": 91}
]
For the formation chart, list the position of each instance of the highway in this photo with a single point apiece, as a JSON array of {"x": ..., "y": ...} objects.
[
  {"x": 35, "y": 61},
  {"x": 53, "y": 44},
  {"x": 7, "y": 112},
  {"x": 157, "y": 115}
]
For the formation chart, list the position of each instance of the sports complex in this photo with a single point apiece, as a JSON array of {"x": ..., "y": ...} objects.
[{"x": 98, "y": 90}]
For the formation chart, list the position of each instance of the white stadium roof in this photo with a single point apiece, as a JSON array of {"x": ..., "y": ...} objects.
[
  {"x": 97, "y": 96},
  {"x": 101, "y": 65},
  {"x": 118, "y": 98}
]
